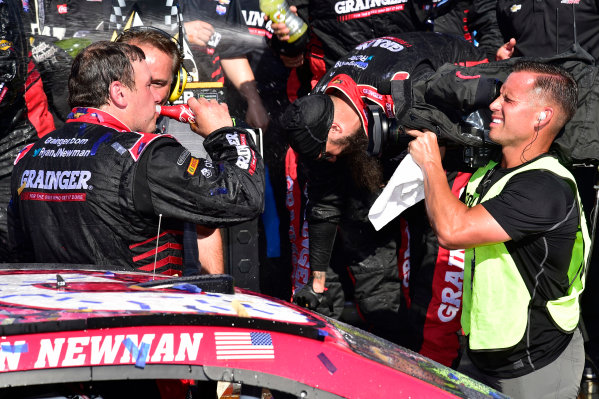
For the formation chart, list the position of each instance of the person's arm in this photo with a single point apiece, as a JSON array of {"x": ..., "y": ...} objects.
[
  {"x": 292, "y": 54},
  {"x": 322, "y": 238},
  {"x": 198, "y": 32},
  {"x": 225, "y": 190},
  {"x": 456, "y": 225},
  {"x": 210, "y": 250},
  {"x": 240, "y": 74},
  {"x": 325, "y": 202},
  {"x": 482, "y": 18}
]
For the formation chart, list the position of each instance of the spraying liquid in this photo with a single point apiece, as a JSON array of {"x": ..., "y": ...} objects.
[
  {"x": 181, "y": 112},
  {"x": 278, "y": 11}
]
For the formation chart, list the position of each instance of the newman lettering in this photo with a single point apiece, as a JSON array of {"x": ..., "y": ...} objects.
[
  {"x": 108, "y": 349},
  {"x": 9, "y": 359}
]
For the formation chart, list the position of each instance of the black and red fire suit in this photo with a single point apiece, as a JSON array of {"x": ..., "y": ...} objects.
[
  {"x": 475, "y": 20},
  {"x": 24, "y": 115},
  {"x": 337, "y": 26},
  {"x": 93, "y": 192},
  {"x": 333, "y": 200}
]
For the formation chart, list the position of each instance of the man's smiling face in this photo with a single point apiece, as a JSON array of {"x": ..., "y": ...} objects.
[{"x": 514, "y": 111}]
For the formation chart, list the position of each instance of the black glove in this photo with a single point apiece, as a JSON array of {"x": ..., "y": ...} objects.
[{"x": 306, "y": 297}]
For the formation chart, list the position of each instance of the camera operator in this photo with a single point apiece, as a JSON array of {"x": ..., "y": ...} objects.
[
  {"x": 330, "y": 130},
  {"x": 525, "y": 231}
]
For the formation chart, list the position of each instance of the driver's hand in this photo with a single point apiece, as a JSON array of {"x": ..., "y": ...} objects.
[
  {"x": 306, "y": 297},
  {"x": 210, "y": 115}
]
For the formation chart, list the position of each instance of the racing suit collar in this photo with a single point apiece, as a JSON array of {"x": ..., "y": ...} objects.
[{"x": 97, "y": 117}]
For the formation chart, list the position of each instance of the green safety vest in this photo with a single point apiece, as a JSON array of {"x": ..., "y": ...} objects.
[{"x": 495, "y": 299}]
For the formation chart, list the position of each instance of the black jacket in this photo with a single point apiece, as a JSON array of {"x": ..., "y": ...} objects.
[
  {"x": 549, "y": 27},
  {"x": 373, "y": 64},
  {"x": 337, "y": 26},
  {"x": 93, "y": 193},
  {"x": 453, "y": 91}
]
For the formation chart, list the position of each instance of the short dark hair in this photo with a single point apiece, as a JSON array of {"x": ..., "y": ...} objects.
[
  {"x": 556, "y": 83},
  {"x": 156, "y": 38},
  {"x": 96, "y": 67}
]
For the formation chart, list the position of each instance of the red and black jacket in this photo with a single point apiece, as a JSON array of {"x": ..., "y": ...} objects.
[{"x": 93, "y": 192}]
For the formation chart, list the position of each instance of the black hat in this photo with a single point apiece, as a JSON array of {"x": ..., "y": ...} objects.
[{"x": 307, "y": 122}]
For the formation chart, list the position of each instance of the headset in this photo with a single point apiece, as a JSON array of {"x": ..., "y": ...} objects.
[
  {"x": 179, "y": 78},
  {"x": 542, "y": 116}
]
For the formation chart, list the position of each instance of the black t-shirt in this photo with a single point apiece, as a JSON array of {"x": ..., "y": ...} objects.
[
  {"x": 538, "y": 210},
  {"x": 537, "y": 25}
]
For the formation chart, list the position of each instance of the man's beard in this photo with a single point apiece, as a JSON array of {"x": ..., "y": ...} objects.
[{"x": 366, "y": 170}]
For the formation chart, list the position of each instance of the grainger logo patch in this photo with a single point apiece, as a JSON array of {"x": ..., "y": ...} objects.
[{"x": 56, "y": 179}]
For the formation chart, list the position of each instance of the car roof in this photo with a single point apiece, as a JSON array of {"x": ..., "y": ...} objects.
[{"x": 64, "y": 323}]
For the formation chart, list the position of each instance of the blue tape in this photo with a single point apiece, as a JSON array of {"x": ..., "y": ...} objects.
[
  {"x": 327, "y": 363},
  {"x": 191, "y": 307},
  {"x": 188, "y": 287},
  {"x": 22, "y": 348},
  {"x": 220, "y": 308},
  {"x": 139, "y": 354},
  {"x": 140, "y": 362},
  {"x": 65, "y": 298},
  {"x": 263, "y": 311},
  {"x": 140, "y": 304}
]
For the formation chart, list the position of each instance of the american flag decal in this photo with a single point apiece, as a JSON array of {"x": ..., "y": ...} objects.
[{"x": 243, "y": 345}]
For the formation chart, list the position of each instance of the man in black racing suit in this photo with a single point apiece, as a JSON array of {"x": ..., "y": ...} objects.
[
  {"x": 97, "y": 192},
  {"x": 24, "y": 115},
  {"x": 337, "y": 26},
  {"x": 335, "y": 197}
]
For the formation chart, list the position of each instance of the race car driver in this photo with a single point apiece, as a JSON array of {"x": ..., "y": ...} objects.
[
  {"x": 202, "y": 247},
  {"x": 97, "y": 192},
  {"x": 323, "y": 125}
]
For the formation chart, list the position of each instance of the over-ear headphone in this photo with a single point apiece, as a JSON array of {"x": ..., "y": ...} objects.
[
  {"x": 542, "y": 116},
  {"x": 180, "y": 77}
]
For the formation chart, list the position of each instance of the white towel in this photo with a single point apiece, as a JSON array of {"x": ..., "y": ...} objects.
[{"x": 405, "y": 188}]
